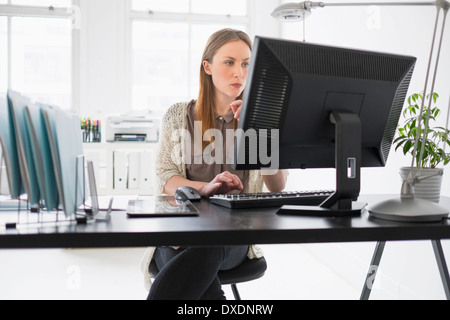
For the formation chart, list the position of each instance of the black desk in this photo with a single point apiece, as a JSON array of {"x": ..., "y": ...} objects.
[{"x": 221, "y": 226}]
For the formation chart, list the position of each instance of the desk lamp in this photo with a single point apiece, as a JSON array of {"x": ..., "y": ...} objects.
[{"x": 406, "y": 208}]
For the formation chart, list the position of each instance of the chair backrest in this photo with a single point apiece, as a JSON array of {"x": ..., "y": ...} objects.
[{"x": 249, "y": 270}]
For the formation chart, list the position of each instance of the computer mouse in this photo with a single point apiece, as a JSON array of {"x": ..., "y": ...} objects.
[{"x": 187, "y": 193}]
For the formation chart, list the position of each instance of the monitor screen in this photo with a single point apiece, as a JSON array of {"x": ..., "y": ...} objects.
[{"x": 301, "y": 100}]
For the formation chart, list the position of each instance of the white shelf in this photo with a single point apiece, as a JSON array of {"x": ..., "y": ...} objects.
[{"x": 102, "y": 155}]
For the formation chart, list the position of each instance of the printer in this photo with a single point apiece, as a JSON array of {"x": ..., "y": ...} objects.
[{"x": 143, "y": 128}]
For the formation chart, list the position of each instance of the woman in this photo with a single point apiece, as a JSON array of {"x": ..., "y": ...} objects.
[{"x": 191, "y": 273}]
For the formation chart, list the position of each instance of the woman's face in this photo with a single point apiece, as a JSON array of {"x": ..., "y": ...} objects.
[{"x": 228, "y": 69}]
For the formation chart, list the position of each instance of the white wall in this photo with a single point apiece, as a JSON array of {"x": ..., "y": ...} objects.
[{"x": 408, "y": 269}]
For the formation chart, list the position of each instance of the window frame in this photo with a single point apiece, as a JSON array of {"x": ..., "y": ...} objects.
[
  {"x": 171, "y": 17},
  {"x": 10, "y": 10}
]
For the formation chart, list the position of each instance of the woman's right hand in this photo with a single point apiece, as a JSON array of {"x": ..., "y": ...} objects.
[
  {"x": 222, "y": 184},
  {"x": 236, "y": 107}
]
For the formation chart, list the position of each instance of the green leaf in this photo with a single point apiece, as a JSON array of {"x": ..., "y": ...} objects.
[{"x": 407, "y": 146}]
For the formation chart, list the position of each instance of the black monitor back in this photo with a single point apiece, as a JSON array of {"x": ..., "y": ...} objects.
[{"x": 293, "y": 87}]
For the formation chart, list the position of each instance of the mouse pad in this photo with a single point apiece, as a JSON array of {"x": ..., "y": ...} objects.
[{"x": 161, "y": 206}]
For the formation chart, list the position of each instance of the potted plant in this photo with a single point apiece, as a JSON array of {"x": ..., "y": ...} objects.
[{"x": 436, "y": 150}]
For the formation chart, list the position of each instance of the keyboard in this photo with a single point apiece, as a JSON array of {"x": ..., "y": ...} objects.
[{"x": 271, "y": 199}]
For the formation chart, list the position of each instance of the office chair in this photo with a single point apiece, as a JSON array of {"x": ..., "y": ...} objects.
[{"x": 249, "y": 270}]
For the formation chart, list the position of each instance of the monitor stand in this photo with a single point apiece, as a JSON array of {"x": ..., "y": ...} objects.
[{"x": 348, "y": 169}]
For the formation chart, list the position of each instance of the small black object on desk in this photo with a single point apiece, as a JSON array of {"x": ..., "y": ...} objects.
[{"x": 187, "y": 193}]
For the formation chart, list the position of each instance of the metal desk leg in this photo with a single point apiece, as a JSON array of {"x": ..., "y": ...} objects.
[
  {"x": 370, "y": 279},
  {"x": 442, "y": 265}
]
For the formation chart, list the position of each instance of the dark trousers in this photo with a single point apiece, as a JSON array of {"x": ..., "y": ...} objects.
[{"x": 191, "y": 273}]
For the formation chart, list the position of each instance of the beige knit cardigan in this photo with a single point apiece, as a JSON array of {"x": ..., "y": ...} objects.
[{"x": 171, "y": 162}]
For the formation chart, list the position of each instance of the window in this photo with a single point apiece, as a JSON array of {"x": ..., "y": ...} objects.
[
  {"x": 168, "y": 39},
  {"x": 40, "y": 3},
  {"x": 41, "y": 59},
  {"x": 36, "y": 50},
  {"x": 230, "y": 7},
  {"x": 161, "y": 5}
]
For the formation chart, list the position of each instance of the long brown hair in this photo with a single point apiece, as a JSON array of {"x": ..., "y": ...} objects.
[{"x": 205, "y": 102}]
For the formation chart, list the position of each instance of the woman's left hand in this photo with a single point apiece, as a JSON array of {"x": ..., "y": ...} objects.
[
  {"x": 222, "y": 184},
  {"x": 236, "y": 107}
]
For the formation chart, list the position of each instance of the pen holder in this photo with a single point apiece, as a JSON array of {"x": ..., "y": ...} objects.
[
  {"x": 91, "y": 130},
  {"x": 96, "y": 136}
]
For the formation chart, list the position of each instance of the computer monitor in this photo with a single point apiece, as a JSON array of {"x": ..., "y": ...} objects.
[{"x": 317, "y": 106}]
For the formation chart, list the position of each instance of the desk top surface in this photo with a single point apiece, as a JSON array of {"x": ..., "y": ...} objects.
[{"x": 220, "y": 226}]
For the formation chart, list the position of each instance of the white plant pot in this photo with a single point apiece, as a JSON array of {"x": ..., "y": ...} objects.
[{"x": 429, "y": 186}]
